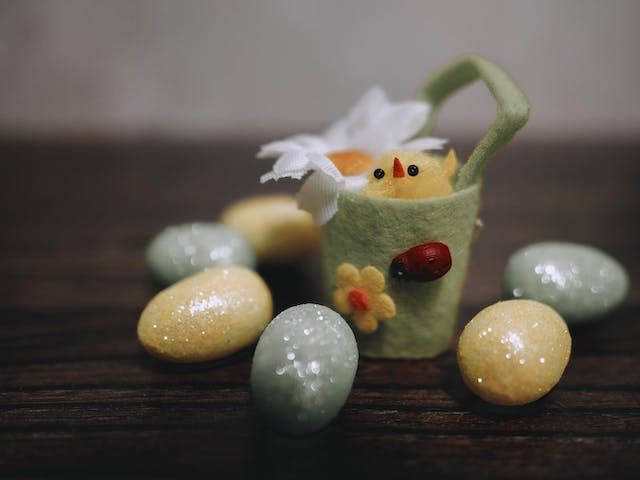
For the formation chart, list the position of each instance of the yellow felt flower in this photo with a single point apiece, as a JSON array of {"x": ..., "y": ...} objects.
[{"x": 361, "y": 294}]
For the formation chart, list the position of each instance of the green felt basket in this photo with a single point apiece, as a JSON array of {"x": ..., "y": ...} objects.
[{"x": 369, "y": 230}]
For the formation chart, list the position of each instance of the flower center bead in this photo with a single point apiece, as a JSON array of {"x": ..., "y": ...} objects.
[
  {"x": 359, "y": 299},
  {"x": 351, "y": 162}
]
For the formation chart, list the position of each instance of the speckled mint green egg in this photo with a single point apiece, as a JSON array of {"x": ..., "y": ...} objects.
[
  {"x": 582, "y": 283},
  {"x": 183, "y": 250},
  {"x": 303, "y": 368}
]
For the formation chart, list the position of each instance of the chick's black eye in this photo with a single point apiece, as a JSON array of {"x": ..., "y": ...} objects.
[
  {"x": 378, "y": 173},
  {"x": 413, "y": 170}
]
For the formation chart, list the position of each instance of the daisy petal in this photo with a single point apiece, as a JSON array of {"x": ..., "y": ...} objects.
[
  {"x": 313, "y": 143},
  {"x": 292, "y": 161},
  {"x": 364, "y": 112},
  {"x": 295, "y": 174},
  {"x": 322, "y": 163},
  {"x": 266, "y": 177},
  {"x": 360, "y": 118},
  {"x": 373, "y": 99},
  {"x": 402, "y": 120},
  {"x": 424, "y": 143},
  {"x": 336, "y": 135},
  {"x": 355, "y": 182},
  {"x": 372, "y": 140},
  {"x": 277, "y": 148},
  {"x": 319, "y": 196}
]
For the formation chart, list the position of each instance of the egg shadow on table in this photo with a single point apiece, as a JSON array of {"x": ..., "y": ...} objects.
[
  {"x": 592, "y": 336},
  {"x": 156, "y": 283},
  {"x": 151, "y": 363},
  {"x": 456, "y": 388},
  {"x": 314, "y": 455},
  {"x": 293, "y": 283}
]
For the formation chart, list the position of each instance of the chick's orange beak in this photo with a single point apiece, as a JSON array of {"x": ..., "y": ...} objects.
[{"x": 398, "y": 169}]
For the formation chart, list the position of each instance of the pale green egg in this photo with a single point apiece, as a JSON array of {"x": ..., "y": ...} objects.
[
  {"x": 303, "y": 368},
  {"x": 183, "y": 250},
  {"x": 582, "y": 283}
]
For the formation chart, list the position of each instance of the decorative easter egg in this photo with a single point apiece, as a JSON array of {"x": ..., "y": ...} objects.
[
  {"x": 422, "y": 263},
  {"x": 580, "y": 282},
  {"x": 276, "y": 228},
  {"x": 182, "y": 250},
  {"x": 206, "y": 316},
  {"x": 514, "y": 352},
  {"x": 303, "y": 368}
]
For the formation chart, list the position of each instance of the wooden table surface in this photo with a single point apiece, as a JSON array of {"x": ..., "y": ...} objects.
[{"x": 79, "y": 396}]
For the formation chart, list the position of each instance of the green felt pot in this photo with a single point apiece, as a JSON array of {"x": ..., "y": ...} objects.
[{"x": 370, "y": 230}]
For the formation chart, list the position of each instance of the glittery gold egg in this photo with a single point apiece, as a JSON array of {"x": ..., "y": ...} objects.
[
  {"x": 514, "y": 352},
  {"x": 206, "y": 316},
  {"x": 276, "y": 228}
]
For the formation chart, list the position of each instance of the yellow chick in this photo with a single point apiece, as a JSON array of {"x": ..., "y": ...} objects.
[{"x": 413, "y": 175}]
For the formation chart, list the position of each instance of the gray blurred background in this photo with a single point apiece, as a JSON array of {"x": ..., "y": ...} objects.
[{"x": 246, "y": 69}]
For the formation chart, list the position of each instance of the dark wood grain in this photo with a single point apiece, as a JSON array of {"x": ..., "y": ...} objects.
[{"x": 79, "y": 397}]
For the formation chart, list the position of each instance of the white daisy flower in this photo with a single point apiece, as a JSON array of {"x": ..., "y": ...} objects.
[{"x": 341, "y": 156}]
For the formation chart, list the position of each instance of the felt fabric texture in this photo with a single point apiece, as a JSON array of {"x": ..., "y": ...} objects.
[
  {"x": 513, "y": 108},
  {"x": 370, "y": 230}
]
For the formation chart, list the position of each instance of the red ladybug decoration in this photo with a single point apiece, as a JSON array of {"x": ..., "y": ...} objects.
[{"x": 422, "y": 263}]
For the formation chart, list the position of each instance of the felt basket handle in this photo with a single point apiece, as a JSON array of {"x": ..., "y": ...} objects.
[{"x": 513, "y": 108}]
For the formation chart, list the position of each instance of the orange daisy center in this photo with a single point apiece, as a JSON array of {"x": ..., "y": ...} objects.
[
  {"x": 359, "y": 299},
  {"x": 351, "y": 162}
]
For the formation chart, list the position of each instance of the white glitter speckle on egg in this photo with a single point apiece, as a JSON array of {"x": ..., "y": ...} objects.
[{"x": 302, "y": 392}]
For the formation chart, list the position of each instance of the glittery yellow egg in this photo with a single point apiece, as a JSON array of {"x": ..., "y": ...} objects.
[
  {"x": 206, "y": 316},
  {"x": 514, "y": 352},
  {"x": 276, "y": 228}
]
